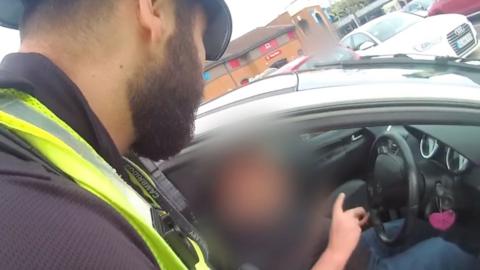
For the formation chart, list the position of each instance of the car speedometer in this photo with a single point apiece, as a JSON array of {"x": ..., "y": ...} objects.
[
  {"x": 428, "y": 146},
  {"x": 455, "y": 162}
]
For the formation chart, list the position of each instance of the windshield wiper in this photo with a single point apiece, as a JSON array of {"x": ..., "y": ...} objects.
[
  {"x": 438, "y": 59},
  {"x": 438, "y": 65},
  {"x": 386, "y": 56},
  {"x": 398, "y": 60},
  {"x": 458, "y": 60}
]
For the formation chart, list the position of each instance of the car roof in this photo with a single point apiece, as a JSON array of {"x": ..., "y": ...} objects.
[
  {"x": 263, "y": 87},
  {"x": 345, "y": 85},
  {"x": 333, "y": 96},
  {"x": 388, "y": 69}
]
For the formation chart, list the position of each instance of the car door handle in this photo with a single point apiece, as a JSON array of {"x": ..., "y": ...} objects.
[{"x": 356, "y": 137}]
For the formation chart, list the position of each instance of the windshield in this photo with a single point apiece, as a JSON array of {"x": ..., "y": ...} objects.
[
  {"x": 391, "y": 25},
  {"x": 418, "y": 5},
  {"x": 338, "y": 55}
]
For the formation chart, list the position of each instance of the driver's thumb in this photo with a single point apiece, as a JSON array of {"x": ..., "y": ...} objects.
[{"x": 338, "y": 206}]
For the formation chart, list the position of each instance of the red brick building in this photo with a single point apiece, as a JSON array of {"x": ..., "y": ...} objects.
[{"x": 303, "y": 28}]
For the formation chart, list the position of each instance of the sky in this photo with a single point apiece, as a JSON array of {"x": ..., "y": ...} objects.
[
  {"x": 247, "y": 15},
  {"x": 9, "y": 41}
]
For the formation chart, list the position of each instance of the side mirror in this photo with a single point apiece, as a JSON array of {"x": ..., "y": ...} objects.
[{"x": 366, "y": 45}]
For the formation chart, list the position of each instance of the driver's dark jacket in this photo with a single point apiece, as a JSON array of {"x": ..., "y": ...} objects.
[{"x": 46, "y": 220}]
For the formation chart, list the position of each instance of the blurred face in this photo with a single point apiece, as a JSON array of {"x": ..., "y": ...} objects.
[
  {"x": 252, "y": 191},
  {"x": 166, "y": 92}
]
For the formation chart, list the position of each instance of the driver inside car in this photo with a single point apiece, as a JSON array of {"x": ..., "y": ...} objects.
[{"x": 264, "y": 207}]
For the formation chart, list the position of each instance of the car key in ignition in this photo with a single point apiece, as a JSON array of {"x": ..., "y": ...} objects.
[{"x": 445, "y": 216}]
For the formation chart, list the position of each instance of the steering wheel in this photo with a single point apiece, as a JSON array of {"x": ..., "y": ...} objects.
[{"x": 394, "y": 183}]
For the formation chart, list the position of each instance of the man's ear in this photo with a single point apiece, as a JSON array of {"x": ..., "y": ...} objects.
[{"x": 152, "y": 18}]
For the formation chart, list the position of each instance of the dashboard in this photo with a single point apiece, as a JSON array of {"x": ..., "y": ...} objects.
[{"x": 455, "y": 146}]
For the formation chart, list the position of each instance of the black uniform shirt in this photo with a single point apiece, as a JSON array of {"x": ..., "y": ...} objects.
[{"x": 46, "y": 220}]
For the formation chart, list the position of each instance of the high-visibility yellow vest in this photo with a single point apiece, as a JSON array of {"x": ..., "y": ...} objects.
[{"x": 61, "y": 146}]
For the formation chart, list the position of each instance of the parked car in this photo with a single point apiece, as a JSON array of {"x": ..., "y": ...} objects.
[
  {"x": 419, "y": 7},
  {"x": 305, "y": 62},
  {"x": 401, "y": 32},
  {"x": 264, "y": 74},
  {"x": 465, "y": 7},
  {"x": 412, "y": 125}
]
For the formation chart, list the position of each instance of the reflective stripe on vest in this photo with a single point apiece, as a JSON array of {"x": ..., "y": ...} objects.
[{"x": 64, "y": 148}]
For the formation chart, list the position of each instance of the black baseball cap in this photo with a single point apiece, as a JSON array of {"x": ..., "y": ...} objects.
[{"x": 216, "y": 39}]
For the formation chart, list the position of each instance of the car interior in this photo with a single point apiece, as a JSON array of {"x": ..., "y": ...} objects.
[{"x": 426, "y": 176}]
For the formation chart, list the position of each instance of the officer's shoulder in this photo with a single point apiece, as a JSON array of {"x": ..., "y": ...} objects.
[
  {"x": 75, "y": 228},
  {"x": 14, "y": 166},
  {"x": 17, "y": 158}
]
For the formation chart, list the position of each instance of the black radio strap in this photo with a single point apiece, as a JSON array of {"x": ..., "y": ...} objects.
[{"x": 165, "y": 203}]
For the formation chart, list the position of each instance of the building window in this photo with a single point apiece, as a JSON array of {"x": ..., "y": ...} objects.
[
  {"x": 292, "y": 35},
  {"x": 207, "y": 76},
  {"x": 235, "y": 63},
  {"x": 304, "y": 26},
  {"x": 318, "y": 18},
  {"x": 280, "y": 63}
]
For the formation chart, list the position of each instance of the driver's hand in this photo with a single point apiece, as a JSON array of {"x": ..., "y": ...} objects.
[
  {"x": 345, "y": 233},
  {"x": 346, "y": 228}
]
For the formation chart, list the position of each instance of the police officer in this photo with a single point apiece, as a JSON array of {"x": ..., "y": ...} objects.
[{"x": 94, "y": 81}]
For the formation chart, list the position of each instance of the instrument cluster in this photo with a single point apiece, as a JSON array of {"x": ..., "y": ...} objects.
[{"x": 431, "y": 148}]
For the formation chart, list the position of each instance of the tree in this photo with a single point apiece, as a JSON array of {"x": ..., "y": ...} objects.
[{"x": 344, "y": 8}]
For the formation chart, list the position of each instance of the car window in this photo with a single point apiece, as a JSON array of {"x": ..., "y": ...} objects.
[
  {"x": 413, "y": 6},
  {"x": 392, "y": 25},
  {"x": 347, "y": 42},
  {"x": 417, "y": 5},
  {"x": 339, "y": 54},
  {"x": 359, "y": 39},
  {"x": 342, "y": 54}
]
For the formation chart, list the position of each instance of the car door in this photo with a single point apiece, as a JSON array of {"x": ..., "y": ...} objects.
[{"x": 359, "y": 39}]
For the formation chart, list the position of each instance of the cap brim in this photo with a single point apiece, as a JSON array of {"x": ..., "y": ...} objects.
[
  {"x": 219, "y": 29},
  {"x": 11, "y": 12},
  {"x": 217, "y": 35}
]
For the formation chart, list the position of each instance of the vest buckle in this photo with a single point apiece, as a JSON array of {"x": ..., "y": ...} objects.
[{"x": 176, "y": 239}]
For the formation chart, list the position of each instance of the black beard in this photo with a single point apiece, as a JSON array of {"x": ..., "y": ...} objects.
[{"x": 164, "y": 98}]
